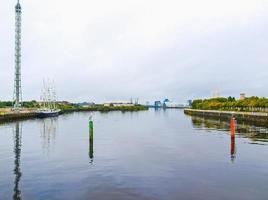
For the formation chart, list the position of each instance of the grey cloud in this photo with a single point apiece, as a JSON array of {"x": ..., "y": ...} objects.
[{"x": 107, "y": 50}]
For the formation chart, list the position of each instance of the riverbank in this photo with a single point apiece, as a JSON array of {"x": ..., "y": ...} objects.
[
  {"x": 244, "y": 104},
  {"x": 101, "y": 108},
  {"x": 13, "y": 116},
  {"x": 251, "y": 117},
  {"x": 30, "y": 113}
]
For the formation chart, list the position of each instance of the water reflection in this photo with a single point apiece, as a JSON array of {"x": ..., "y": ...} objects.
[
  {"x": 233, "y": 149},
  {"x": 257, "y": 134},
  {"x": 181, "y": 173},
  {"x": 17, "y": 170},
  {"x": 48, "y": 133}
]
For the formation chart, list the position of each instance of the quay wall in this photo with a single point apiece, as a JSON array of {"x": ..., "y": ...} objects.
[
  {"x": 17, "y": 116},
  {"x": 254, "y": 117},
  {"x": 10, "y": 115}
]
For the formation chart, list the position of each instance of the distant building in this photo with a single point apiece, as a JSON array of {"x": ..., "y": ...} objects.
[
  {"x": 166, "y": 101},
  {"x": 189, "y": 102},
  {"x": 173, "y": 105},
  {"x": 119, "y": 103},
  {"x": 242, "y": 96},
  {"x": 170, "y": 104},
  {"x": 216, "y": 94},
  {"x": 157, "y": 104},
  {"x": 61, "y": 102},
  {"x": 86, "y": 104}
]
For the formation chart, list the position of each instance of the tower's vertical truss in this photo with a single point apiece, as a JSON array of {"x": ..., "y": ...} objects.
[{"x": 17, "y": 81}]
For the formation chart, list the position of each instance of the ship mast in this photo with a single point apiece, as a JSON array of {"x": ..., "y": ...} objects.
[{"x": 48, "y": 96}]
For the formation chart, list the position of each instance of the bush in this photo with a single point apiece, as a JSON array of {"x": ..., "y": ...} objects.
[{"x": 248, "y": 104}]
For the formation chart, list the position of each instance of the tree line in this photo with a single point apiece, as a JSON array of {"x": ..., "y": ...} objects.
[
  {"x": 26, "y": 104},
  {"x": 231, "y": 104},
  {"x": 75, "y": 107}
]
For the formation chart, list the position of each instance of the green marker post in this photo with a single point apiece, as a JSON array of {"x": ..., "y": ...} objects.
[
  {"x": 91, "y": 139},
  {"x": 91, "y": 130}
]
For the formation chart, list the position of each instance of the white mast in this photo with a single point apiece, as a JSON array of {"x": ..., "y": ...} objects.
[{"x": 48, "y": 96}]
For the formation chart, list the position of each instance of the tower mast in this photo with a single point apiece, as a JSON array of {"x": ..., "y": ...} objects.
[{"x": 17, "y": 81}]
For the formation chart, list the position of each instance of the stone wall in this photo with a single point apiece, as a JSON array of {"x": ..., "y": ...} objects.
[{"x": 257, "y": 117}]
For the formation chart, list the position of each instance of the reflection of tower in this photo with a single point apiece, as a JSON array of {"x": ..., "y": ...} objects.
[
  {"x": 17, "y": 172},
  {"x": 17, "y": 80},
  {"x": 48, "y": 132}
]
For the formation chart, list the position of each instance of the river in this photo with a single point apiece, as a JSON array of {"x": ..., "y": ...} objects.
[{"x": 155, "y": 154}]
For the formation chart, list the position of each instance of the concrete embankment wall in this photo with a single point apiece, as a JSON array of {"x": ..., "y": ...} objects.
[
  {"x": 30, "y": 113},
  {"x": 16, "y": 116},
  {"x": 9, "y": 117},
  {"x": 255, "y": 117}
]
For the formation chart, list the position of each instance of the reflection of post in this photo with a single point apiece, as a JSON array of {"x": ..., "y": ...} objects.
[
  {"x": 232, "y": 148},
  {"x": 232, "y": 133},
  {"x": 17, "y": 172},
  {"x": 91, "y": 140}
]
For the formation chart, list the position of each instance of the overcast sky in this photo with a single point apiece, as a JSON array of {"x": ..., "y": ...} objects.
[{"x": 105, "y": 50}]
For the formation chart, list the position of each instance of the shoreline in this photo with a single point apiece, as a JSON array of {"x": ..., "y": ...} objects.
[
  {"x": 249, "y": 117},
  {"x": 10, "y": 117},
  {"x": 18, "y": 116}
]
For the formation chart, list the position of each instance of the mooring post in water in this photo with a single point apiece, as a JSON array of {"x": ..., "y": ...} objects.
[
  {"x": 232, "y": 133},
  {"x": 90, "y": 130},
  {"x": 90, "y": 138},
  {"x": 232, "y": 127}
]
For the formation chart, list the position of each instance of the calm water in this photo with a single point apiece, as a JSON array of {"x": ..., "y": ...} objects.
[{"x": 144, "y": 155}]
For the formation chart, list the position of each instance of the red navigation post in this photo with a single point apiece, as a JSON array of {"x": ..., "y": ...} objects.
[
  {"x": 232, "y": 127},
  {"x": 232, "y": 133}
]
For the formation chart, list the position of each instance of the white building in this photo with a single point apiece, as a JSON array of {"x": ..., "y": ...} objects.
[{"x": 118, "y": 103}]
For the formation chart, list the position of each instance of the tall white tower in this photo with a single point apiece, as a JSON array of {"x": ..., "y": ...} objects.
[{"x": 17, "y": 81}]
